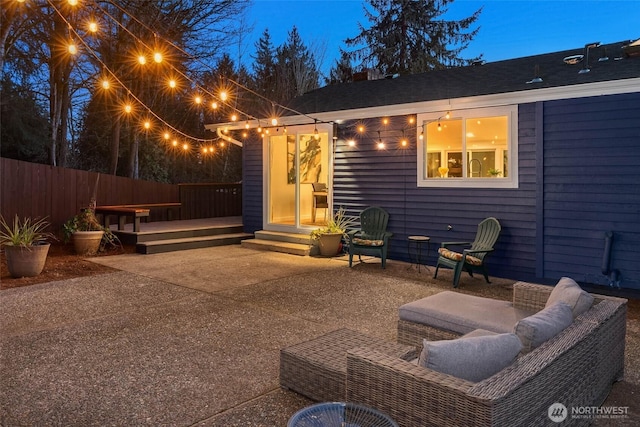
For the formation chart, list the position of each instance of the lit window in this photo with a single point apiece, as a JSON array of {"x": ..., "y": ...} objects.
[{"x": 472, "y": 148}]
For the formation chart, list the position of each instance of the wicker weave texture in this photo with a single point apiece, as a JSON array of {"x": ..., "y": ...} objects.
[
  {"x": 575, "y": 368},
  {"x": 318, "y": 368}
]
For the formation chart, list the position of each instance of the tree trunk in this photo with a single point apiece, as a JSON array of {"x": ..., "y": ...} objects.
[{"x": 116, "y": 125}]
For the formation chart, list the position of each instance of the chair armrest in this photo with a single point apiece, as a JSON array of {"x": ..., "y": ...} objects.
[
  {"x": 410, "y": 394},
  {"x": 447, "y": 244},
  {"x": 477, "y": 251},
  {"x": 530, "y": 296},
  {"x": 351, "y": 234}
]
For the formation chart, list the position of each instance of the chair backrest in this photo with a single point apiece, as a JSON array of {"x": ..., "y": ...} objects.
[
  {"x": 321, "y": 200},
  {"x": 373, "y": 222},
  {"x": 486, "y": 236},
  {"x": 319, "y": 186}
]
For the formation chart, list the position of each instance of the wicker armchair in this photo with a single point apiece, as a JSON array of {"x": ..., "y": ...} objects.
[{"x": 576, "y": 368}]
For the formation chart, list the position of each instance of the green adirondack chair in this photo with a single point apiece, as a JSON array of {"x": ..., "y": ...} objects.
[
  {"x": 372, "y": 238},
  {"x": 472, "y": 258}
]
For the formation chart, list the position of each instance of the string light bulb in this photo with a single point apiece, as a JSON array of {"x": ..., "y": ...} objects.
[
  {"x": 198, "y": 99},
  {"x": 403, "y": 141},
  {"x": 166, "y": 135},
  {"x": 128, "y": 108},
  {"x": 142, "y": 60},
  {"x": 73, "y": 2},
  {"x": 93, "y": 27},
  {"x": 234, "y": 117},
  {"x": 224, "y": 95},
  {"x": 274, "y": 122},
  {"x": 448, "y": 115},
  {"x": 174, "y": 142},
  {"x": 72, "y": 48},
  {"x": 439, "y": 126},
  {"x": 172, "y": 83},
  {"x": 157, "y": 57},
  {"x": 214, "y": 105},
  {"x": 380, "y": 143},
  {"x": 147, "y": 124},
  {"x": 185, "y": 146},
  {"x": 105, "y": 84}
]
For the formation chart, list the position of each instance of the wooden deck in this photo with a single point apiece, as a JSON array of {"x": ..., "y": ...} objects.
[{"x": 167, "y": 236}]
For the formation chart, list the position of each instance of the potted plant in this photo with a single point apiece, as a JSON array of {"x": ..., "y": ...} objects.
[
  {"x": 25, "y": 245},
  {"x": 494, "y": 172},
  {"x": 88, "y": 235},
  {"x": 330, "y": 236}
]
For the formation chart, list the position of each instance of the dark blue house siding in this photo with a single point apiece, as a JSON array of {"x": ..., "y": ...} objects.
[
  {"x": 252, "y": 185},
  {"x": 366, "y": 176},
  {"x": 591, "y": 186}
]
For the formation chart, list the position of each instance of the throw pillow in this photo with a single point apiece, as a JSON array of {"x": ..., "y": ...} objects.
[
  {"x": 542, "y": 326},
  {"x": 569, "y": 292},
  {"x": 474, "y": 358}
]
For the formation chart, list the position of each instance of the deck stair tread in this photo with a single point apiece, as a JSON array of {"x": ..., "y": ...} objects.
[
  {"x": 197, "y": 239},
  {"x": 184, "y": 243}
]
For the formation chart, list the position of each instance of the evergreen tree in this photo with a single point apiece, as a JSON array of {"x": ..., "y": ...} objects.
[
  {"x": 24, "y": 127},
  {"x": 411, "y": 36},
  {"x": 296, "y": 68},
  {"x": 342, "y": 71},
  {"x": 264, "y": 66}
]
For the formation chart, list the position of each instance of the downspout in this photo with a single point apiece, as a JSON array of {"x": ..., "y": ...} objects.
[
  {"x": 614, "y": 275},
  {"x": 228, "y": 138}
]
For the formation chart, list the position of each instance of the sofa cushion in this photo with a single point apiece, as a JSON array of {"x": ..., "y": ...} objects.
[
  {"x": 462, "y": 313},
  {"x": 542, "y": 326},
  {"x": 457, "y": 256},
  {"x": 471, "y": 358},
  {"x": 569, "y": 292}
]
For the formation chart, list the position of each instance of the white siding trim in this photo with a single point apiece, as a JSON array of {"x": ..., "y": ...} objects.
[{"x": 611, "y": 87}]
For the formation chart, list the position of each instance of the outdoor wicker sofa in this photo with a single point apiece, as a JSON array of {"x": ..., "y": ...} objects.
[{"x": 575, "y": 368}]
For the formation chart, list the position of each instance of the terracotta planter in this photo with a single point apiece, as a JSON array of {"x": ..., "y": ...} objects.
[
  {"x": 87, "y": 242},
  {"x": 26, "y": 262},
  {"x": 329, "y": 243}
]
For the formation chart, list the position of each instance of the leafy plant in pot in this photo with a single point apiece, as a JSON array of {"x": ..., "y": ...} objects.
[
  {"x": 330, "y": 236},
  {"x": 88, "y": 235},
  {"x": 26, "y": 245}
]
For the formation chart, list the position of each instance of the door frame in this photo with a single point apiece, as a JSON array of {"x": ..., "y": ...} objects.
[{"x": 304, "y": 129}]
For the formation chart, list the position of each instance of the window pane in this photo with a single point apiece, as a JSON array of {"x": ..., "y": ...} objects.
[
  {"x": 433, "y": 164},
  {"x": 444, "y": 141},
  {"x": 486, "y": 145}
]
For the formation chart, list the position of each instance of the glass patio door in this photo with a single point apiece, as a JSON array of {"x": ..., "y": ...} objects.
[{"x": 296, "y": 160}]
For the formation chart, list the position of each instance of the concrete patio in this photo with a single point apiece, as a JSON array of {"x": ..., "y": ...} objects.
[{"x": 192, "y": 338}]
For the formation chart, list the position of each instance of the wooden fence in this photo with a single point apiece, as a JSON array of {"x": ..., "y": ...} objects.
[{"x": 38, "y": 191}]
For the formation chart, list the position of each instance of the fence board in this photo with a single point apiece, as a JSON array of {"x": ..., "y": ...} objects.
[{"x": 37, "y": 191}]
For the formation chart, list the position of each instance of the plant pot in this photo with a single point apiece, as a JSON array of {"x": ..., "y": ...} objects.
[
  {"x": 87, "y": 242},
  {"x": 26, "y": 261},
  {"x": 329, "y": 243}
]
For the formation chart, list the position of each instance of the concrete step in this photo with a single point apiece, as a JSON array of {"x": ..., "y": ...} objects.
[
  {"x": 302, "y": 239},
  {"x": 278, "y": 246},
  {"x": 180, "y": 244}
]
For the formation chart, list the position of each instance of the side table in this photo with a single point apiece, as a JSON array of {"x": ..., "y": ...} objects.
[
  {"x": 418, "y": 242},
  {"x": 339, "y": 414}
]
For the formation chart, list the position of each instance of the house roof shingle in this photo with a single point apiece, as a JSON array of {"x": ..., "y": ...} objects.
[{"x": 506, "y": 76}]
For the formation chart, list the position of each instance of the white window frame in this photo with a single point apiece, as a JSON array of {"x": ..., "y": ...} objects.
[{"x": 511, "y": 181}]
